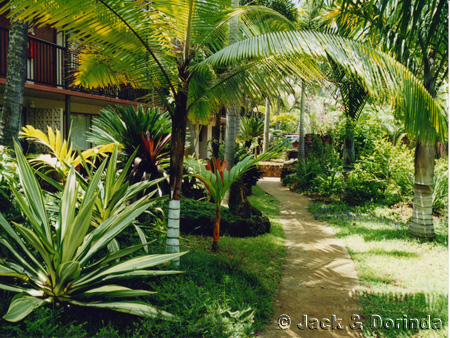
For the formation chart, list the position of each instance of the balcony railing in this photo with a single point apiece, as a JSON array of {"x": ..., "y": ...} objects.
[{"x": 51, "y": 64}]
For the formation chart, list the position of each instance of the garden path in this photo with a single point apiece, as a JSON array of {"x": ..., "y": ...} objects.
[{"x": 319, "y": 279}]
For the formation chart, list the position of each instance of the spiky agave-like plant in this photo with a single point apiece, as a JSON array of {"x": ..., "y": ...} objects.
[{"x": 58, "y": 260}]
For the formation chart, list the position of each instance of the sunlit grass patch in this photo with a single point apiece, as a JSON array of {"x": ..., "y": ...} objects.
[{"x": 399, "y": 275}]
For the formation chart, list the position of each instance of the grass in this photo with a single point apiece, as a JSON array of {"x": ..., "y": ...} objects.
[
  {"x": 399, "y": 275},
  {"x": 224, "y": 294}
]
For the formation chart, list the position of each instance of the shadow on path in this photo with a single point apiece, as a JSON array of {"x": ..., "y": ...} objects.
[{"x": 319, "y": 278}]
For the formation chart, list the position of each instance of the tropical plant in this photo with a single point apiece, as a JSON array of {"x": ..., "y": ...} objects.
[
  {"x": 63, "y": 260},
  {"x": 63, "y": 157},
  {"x": 252, "y": 128},
  {"x": 115, "y": 192},
  {"x": 145, "y": 131},
  {"x": 217, "y": 178},
  {"x": 162, "y": 45},
  {"x": 440, "y": 188}
]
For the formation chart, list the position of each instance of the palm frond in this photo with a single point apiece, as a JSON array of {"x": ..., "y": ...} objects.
[{"x": 381, "y": 75}]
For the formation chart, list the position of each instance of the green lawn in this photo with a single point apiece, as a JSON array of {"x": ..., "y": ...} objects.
[
  {"x": 399, "y": 275},
  {"x": 224, "y": 294}
]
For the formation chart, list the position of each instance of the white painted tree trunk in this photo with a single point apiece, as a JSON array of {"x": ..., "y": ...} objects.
[
  {"x": 173, "y": 230},
  {"x": 421, "y": 222}
]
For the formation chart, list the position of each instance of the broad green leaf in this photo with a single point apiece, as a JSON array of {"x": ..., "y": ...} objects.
[{"x": 22, "y": 307}]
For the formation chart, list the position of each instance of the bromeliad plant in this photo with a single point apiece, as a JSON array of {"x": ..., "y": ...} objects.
[
  {"x": 64, "y": 260},
  {"x": 144, "y": 131},
  {"x": 217, "y": 178}
]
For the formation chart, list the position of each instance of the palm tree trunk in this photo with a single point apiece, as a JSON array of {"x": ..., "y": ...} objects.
[
  {"x": 421, "y": 222},
  {"x": 301, "y": 140},
  {"x": 15, "y": 81},
  {"x": 277, "y": 112},
  {"x": 266, "y": 125},
  {"x": 179, "y": 123},
  {"x": 348, "y": 156}
]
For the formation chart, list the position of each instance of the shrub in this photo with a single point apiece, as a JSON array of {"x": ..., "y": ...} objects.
[
  {"x": 197, "y": 217},
  {"x": 440, "y": 191},
  {"x": 320, "y": 172},
  {"x": 384, "y": 173},
  {"x": 8, "y": 177},
  {"x": 62, "y": 259}
]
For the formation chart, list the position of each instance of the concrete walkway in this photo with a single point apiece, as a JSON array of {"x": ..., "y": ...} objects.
[{"x": 319, "y": 278}]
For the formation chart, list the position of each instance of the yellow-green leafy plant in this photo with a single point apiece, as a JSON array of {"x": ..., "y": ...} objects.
[
  {"x": 57, "y": 260},
  {"x": 115, "y": 192},
  {"x": 63, "y": 156}
]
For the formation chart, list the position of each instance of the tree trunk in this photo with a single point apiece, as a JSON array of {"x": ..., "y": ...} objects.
[
  {"x": 301, "y": 138},
  {"x": 277, "y": 113},
  {"x": 216, "y": 234},
  {"x": 216, "y": 135},
  {"x": 179, "y": 123},
  {"x": 15, "y": 82},
  {"x": 266, "y": 125},
  {"x": 421, "y": 222},
  {"x": 348, "y": 156}
]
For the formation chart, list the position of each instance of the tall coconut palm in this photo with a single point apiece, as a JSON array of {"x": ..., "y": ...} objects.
[
  {"x": 173, "y": 46},
  {"x": 10, "y": 120},
  {"x": 416, "y": 34}
]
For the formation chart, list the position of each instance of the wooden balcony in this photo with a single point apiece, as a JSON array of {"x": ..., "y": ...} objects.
[{"x": 51, "y": 65}]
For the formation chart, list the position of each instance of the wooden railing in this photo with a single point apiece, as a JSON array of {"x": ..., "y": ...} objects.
[{"x": 51, "y": 64}]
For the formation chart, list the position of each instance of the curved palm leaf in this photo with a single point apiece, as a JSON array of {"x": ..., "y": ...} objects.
[{"x": 422, "y": 114}]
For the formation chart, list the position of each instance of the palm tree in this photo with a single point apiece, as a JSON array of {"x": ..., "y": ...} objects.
[
  {"x": 173, "y": 48},
  {"x": 10, "y": 121},
  {"x": 416, "y": 34}
]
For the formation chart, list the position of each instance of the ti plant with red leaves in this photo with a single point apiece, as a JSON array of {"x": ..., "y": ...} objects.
[{"x": 217, "y": 178}]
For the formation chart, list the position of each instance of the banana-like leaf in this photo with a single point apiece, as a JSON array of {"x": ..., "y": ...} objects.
[{"x": 22, "y": 307}]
